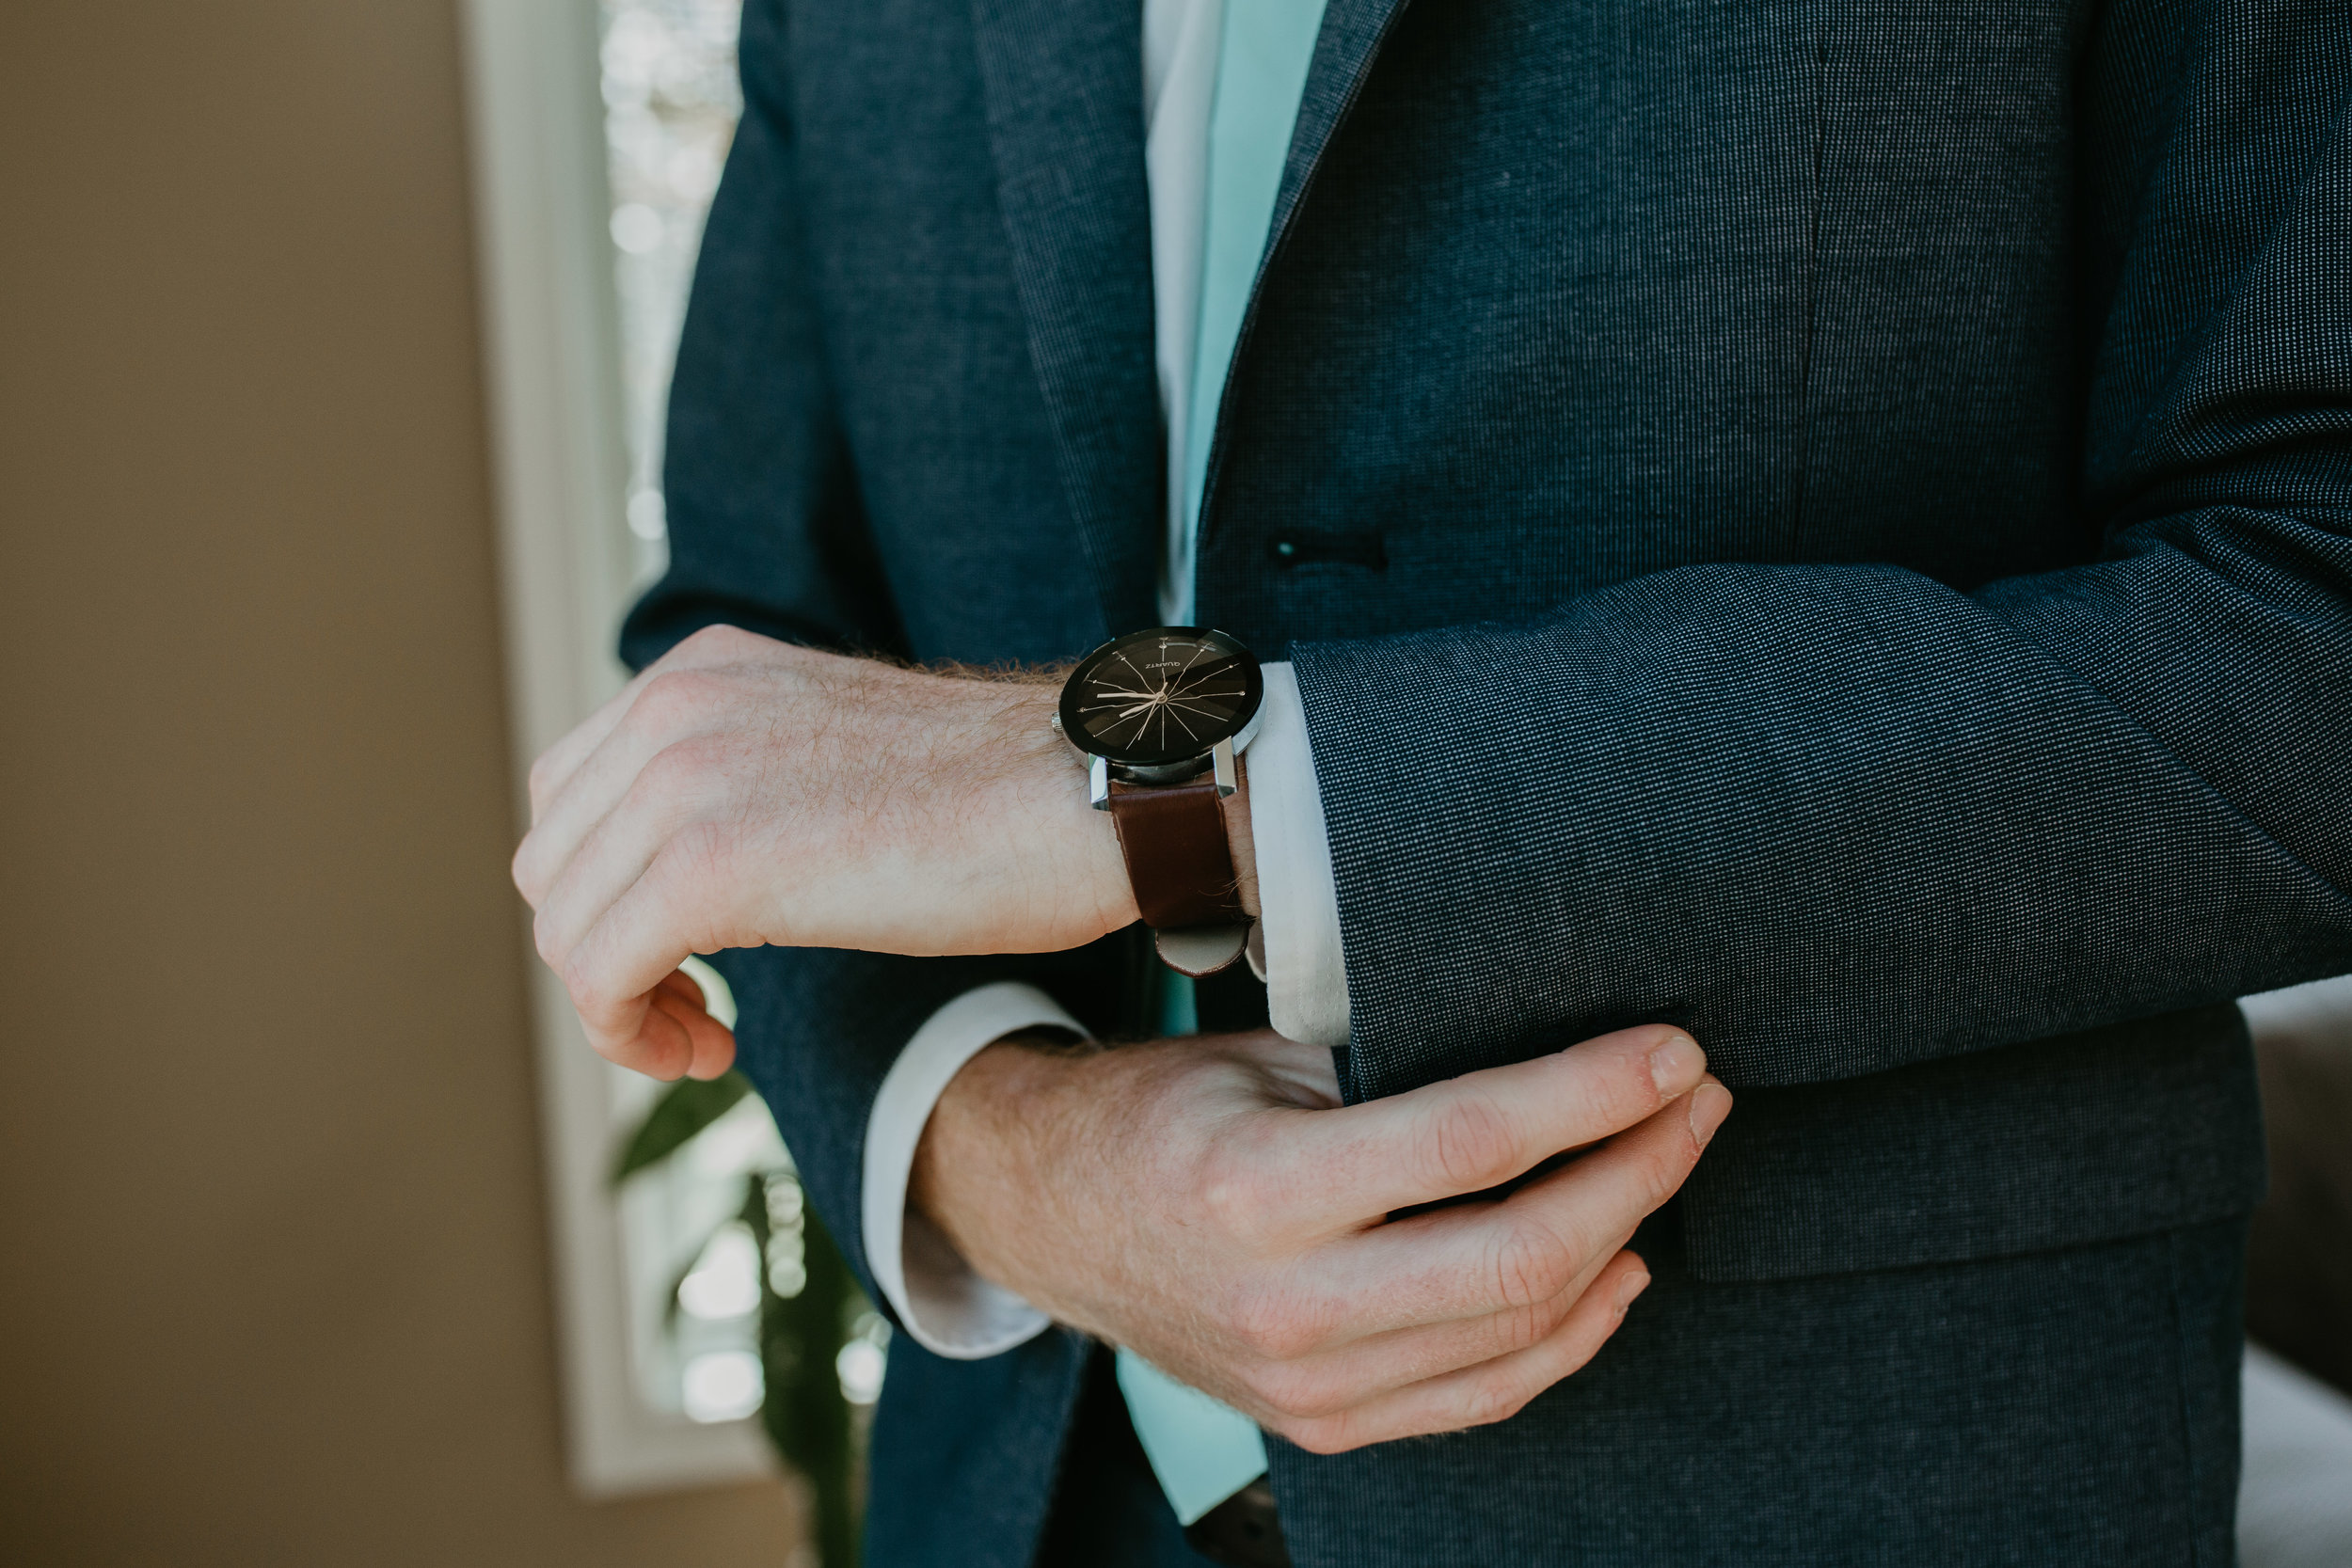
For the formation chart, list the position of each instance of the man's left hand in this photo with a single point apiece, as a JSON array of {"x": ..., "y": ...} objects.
[{"x": 744, "y": 791}]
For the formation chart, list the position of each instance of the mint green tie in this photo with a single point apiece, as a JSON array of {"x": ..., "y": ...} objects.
[
  {"x": 1261, "y": 65},
  {"x": 1203, "y": 1451}
]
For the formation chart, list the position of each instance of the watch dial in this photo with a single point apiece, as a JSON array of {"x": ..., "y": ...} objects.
[{"x": 1162, "y": 696}]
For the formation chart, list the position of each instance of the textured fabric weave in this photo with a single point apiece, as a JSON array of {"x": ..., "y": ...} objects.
[
  {"x": 2077, "y": 1409},
  {"x": 1826, "y": 522},
  {"x": 2059, "y": 344}
]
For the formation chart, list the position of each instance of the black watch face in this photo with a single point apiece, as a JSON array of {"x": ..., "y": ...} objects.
[{"x": 1161, "y": 696}]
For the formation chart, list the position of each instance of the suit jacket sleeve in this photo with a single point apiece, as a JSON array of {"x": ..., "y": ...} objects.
[
  {"x": 765, "y": 534},
  {"x": 1836, "y": 818}
]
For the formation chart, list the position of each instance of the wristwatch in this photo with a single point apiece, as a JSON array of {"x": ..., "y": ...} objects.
[{"x": 1163, "y": 715}]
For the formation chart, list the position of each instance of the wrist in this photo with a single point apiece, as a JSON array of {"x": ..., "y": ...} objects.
[
  {"x": 1078, "y": 845},
  {"x": 1092, "y": 867},
  {"x": 1165, "y": 714},
  {"x": 976, "y": 1173}
]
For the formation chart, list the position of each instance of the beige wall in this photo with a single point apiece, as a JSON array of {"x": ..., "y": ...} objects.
[{"x": 273, "y": 1271}]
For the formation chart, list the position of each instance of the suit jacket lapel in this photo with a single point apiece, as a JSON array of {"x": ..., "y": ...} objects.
[
  {"x": 1353, "y": 31},
  {"x": 1064, "y": 82}
]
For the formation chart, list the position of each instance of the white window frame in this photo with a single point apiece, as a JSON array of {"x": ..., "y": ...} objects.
[{"x": 551, "y": 342}]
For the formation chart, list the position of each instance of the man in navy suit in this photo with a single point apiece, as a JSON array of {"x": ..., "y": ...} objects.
[{"x": 1813, "y": 531}]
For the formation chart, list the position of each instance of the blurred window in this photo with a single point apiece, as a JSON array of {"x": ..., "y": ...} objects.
[
  {"x": 671, "y": 100},
  {"x": 598, "y": 128},
  {"x": 667, "y": 79}
]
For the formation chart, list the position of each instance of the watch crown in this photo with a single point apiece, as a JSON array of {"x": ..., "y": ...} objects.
[{"x": 1056, "y": 721}]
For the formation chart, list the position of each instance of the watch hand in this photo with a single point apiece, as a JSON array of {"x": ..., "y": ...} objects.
[
  {"x": 1206, "y": 676},
  {"x": 1201, "y": 696}
]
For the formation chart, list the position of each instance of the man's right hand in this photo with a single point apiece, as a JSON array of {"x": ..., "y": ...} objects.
[{"x": 1210, "y": 1204}]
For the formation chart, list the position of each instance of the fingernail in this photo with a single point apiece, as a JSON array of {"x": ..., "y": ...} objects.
[
  {"x": 1631, "y": 1285},
  {"x": 1709, "y": 1104},
  {"x": 1675, "y": 1066}
]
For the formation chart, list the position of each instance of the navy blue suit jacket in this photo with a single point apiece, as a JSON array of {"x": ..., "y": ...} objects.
[{"x": 1827, "y": 523}]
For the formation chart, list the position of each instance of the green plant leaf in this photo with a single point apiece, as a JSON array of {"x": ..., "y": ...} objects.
[{"x": 685, "y": 1108}]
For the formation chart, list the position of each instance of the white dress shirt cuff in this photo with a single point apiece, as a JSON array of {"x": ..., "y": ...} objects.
[
  {"x": 950, "y": 1311},
  {"x": 1298, "y": 900}
]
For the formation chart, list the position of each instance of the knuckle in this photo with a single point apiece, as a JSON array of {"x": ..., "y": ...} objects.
[
  {"x": 671, "y": 700},
  {"x": 1466, "y": 1144},
  {"x": 1524, "y": 1327},
  {"x": 603, "y": 1007},
  {"x": 1490, "y": 1402},
  {"x": 695, "y": 882},
  {"x": 680, "y": 767},
  {"x": 542, "y": 779},
  {"x": 717, "y": 638},
  {"x": 1291, "y": 1391},
  {"x": 1247, "y": 1320},
  {"x": 589, "y": 997},
  {"x": 636, "y": 1053},
  {"x": 524, "y": 869},
  {"x": 1530, "y": 1265},
  {"x": 680, "y": 783},
  {"x": 700, "y": 851},
  {"x": 548, "y": 941},
  {"x": 1277, "y": 1324},
  {"x": 1663, "y": 1169},
  {"x": 1322, "y": 1437},
  {"x": 1233, "y": 1194},
  {"x": 1620, "y": 1090}
]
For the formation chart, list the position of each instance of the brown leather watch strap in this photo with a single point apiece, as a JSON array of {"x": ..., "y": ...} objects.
[{"x": 1174, "y": 838}]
